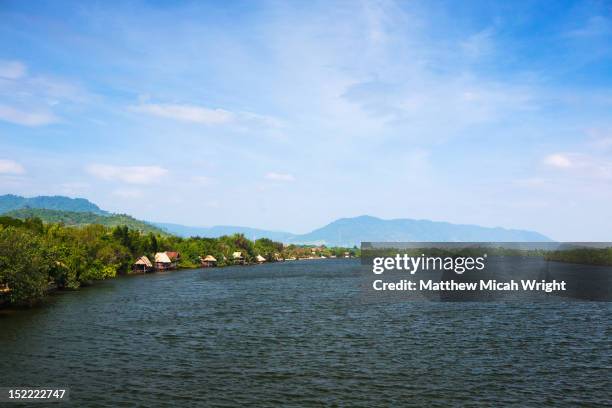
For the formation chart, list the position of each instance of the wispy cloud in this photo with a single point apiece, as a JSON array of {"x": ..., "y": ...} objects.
[
  {"x": 10, "y": 167},
  {"x": 12, "y": 69},
  {"x": 279, "y": 176},
  {"x": 127, "y": 174},
  {"x": 32, "y": 100},
  {"x": 186, "y": 113},
  {"x": 25, "y": 118},
  {"x": 201, "y": 115},
  {"x": 584, "y": 165},
  {"x": 558, "y": 160}
]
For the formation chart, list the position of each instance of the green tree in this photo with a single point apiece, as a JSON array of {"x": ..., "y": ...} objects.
[{"x": 24, "y": 265}]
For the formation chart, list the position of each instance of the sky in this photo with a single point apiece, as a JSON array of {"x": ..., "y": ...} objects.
[{"x": 288, "y": 115}]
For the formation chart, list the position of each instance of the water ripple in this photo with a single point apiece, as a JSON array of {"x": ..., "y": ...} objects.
[{"x": 298, "y": 334}]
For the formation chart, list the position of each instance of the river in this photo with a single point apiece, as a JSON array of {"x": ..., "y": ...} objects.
[{"x": 302, "y": 334}]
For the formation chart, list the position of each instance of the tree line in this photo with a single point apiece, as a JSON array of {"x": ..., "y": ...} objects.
[{"x": 37, "y": 256}]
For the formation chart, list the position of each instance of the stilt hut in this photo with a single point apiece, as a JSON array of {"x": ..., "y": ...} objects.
[
  {"x": 143, "y": 265},
  {"x": 208, "y": 261},
  {"x": 162, "y": 261},
  {"x": 238, "y": 258}
]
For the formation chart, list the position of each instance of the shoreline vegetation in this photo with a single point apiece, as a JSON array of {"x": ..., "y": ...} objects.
[{"x": 38, "y": 257}]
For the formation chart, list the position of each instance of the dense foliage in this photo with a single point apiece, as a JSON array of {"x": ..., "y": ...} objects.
[
  {"x": 83, "y": 218},
  {"x": 587, "y": 256},
  {"x": 37, "y": 256}
]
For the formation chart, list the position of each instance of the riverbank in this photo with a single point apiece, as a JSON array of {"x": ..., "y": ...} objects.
[
  {"x": 35, "y": 256},
  {"x": 5, "y": 305}
]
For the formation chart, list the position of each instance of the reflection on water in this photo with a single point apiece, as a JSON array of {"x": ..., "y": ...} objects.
[{"x": 299, "y": 333}]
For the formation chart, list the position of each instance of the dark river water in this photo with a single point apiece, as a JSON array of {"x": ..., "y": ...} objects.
[{"x": 303, "y": 334}]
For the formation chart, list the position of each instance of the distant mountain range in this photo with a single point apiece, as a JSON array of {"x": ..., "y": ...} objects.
[
  {"x": 352, "y": 231},
  {"x": 366, "y": 228},
  {"x": 342, "y": 232},
  {"x": 220, "y": 230}
]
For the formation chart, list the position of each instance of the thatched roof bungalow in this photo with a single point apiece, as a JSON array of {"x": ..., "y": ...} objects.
[
  {"x": 238, "y": 258},
  {"x": 162, "y": 257},
  {"x": 166, "y": 260},
  {"x": 208, "y": 261},
  {"x": 142, "y": 264}
]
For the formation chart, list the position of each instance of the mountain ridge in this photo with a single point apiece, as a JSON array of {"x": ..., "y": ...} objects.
[
  {"x": 354, "y": 230},
  {"x": 10, "y": 202},
  {"x": 219, "y": 230},
  {"x": 79, "y": 218},
  {"x": 349, "y": 231}
]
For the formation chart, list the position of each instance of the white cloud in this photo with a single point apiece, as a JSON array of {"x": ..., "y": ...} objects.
[
  {"x": 10, "y": 114},
  {"x": 279, "y": 176},
  {"x": 558, "y": 160},
  {"x": 186, "y": 113},
  {"x": 127, "y": 174},
  {"x": 12, "y": 69},
  {"x": 582, "y": 165},
  {"x": 242, "y": 121},
  {"x": 10, "y": 167}
]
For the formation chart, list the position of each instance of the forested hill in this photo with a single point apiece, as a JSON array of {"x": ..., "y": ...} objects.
[
  {"x": 10, "y": 202},
  {"x": 83, "y": 218}
]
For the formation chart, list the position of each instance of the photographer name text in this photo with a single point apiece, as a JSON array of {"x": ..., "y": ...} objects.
[{"x": 482, "y": 285}]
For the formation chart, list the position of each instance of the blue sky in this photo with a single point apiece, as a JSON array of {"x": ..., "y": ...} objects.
[{"x": 287, "y": 115}]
